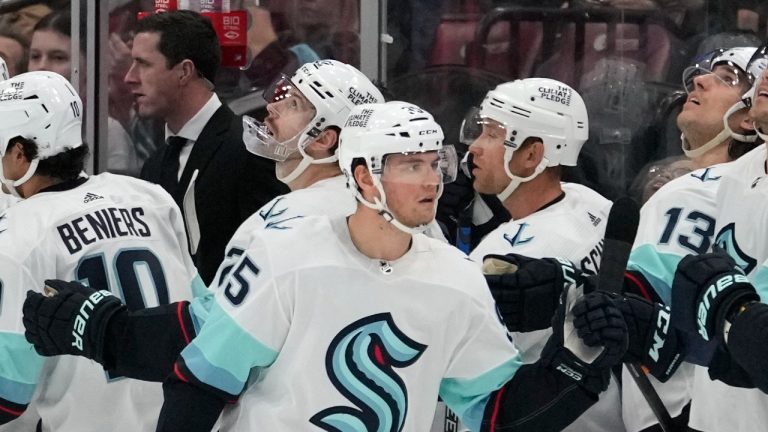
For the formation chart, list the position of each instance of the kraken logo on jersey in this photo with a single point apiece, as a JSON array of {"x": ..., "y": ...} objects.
[
  {"x": 518, "y": 239},
  {"x": 360, "y": 363},
  {"x": 705, "y": 176},
  {"x": 726, "y": 239}
]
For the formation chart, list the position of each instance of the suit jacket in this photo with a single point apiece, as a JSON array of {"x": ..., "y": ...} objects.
[{"x": 231, "y": 185}]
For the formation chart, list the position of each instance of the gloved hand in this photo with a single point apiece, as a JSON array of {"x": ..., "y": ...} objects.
[
  {"x": 652, "y": 341},
  {"x": 527, "y": 290},
  {"x": 586, "y": 360},
  {"x": 706, "y": 291},
  {"x": 73, "y": 320}
]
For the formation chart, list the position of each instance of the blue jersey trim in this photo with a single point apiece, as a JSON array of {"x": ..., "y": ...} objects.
[
  {"x": 19, "y": 369},
  {"x": 467, "y": 397},
  {"x": 657, "y": 267},
  {"x": 223, "y": 353}
]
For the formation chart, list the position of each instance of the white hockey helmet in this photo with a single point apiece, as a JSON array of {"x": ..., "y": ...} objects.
[
  {"x": 4, "y": 74},
  {"x": 534, "y": 107},
  {"x": 739, "y": 69},
  {"x": 374, "y": 131},
  {"x": 44, "y": 108},
  {"x": 333, "y": 88},
  {"x": 756, "y": 66}
]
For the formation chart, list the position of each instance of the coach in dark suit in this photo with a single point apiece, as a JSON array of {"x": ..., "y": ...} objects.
[{"x": 205, "y": 167}]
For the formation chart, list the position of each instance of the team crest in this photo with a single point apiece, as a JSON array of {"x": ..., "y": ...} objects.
[
  {"x": 361, "y": 362},
  {"x": 726, "y": 239}
]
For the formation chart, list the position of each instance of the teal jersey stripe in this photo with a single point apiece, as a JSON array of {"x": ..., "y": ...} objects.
[
  {"x": 19, "y": 369},
  {"x": 199, "y": 309},
  {"x": 198, "y": 287},
  {"x": 657, "y": 267},
  {"x": 760, "y": 281},
  {"x": 223, "y": 353},
  {"x": 467, "y": 397}
]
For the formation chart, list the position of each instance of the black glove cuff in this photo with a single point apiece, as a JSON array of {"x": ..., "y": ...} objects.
[
  {"x": 741, "y": 295},
  {"x": 591, "y": 378}
]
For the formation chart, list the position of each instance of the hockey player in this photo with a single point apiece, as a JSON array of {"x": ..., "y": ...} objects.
[
  {"x": 528, "y": 130},
  {"x": 349, "y": 312},
  {"x": 110, "y": 231},
  {"x": 6, "y": 200},
  {"x": 679, "y": 219}
]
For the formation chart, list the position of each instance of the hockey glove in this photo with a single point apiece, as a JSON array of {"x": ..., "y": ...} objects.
[
  {"x": 707, "y": 290},
  {"x": 527, "y": 290},
  {"x": 73, "y": 320},
  {"x": 587, "y": 364},
  {"x": 652, "y": 341}
]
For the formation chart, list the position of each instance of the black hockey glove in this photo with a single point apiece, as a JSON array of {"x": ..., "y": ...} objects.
[
  {"x": 652, "y": 341},
  {"x": 73, "y": 320},
  {"x": 527, "y": 290},
  {"x": 707, "y": 290},
  {"x": 566, "y": 351}
]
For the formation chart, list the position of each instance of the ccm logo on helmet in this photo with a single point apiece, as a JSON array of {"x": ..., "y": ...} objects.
[
  {"x": 78, "y": 329},
  {"x": 556, "y": 94},
  {"x": 710, "y": 295}
]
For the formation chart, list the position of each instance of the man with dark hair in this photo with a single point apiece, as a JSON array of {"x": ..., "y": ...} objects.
[
  {"x": 205, "y": 166},
  {"x": 14, "y": 49},
  {"x": 117, "y": 233}
]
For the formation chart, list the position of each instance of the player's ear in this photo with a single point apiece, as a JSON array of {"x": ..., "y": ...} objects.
[
  {"x": 534, "y": 153},
  {"x": 326, "y": 143},
  {"x": 364, "y": 181}
]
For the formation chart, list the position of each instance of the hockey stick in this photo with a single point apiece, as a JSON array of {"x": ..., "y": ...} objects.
[{"x": 620, "y": 232}]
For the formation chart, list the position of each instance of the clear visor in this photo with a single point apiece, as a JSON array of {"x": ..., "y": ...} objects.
[
  {"x": 476, "y": 127},
  {"x": 289, "y": 116},
  {"x": 726, "y": 73},
  {"x": 470, "y": 127},
  {"x": 430, "y": 167}
]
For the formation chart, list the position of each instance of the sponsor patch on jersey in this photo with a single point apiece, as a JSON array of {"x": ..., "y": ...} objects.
[{"x": 91, "y": 197}]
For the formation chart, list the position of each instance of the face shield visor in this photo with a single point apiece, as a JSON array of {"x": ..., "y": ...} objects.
[
  {"x": 475, "y": 127},
  {"x": 726, "y": 72},
  {"x": 429, "y": 167},
  {"x": 285, "y": 128}
]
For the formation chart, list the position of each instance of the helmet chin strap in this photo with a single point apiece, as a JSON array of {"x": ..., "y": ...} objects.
[
  {"x": 714, "y": 142},
  {"x": 515, "y": 181},
  {"x": 306, "y": 161},
  {"x": 735, "y": 135},
  {"x": 380, "y": 205},
  {"x": 760, "y": 133},
  {"x": 11, "y": 185}
]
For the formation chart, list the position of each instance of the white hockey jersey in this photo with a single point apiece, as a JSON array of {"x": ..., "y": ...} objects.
[
  {"x": 111, "y": 232},
  {"x": 678, "y": 220},
  {"x": 6, "y": 201},
  {"x": 741, "y": 230},
  {"x": 328, "y": 197},
  {"x": 572, "y": 228},
  {"x": 320, "y": 320}
]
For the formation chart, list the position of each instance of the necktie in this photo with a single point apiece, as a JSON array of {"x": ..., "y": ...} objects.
[{"x": 169, "y": 177}]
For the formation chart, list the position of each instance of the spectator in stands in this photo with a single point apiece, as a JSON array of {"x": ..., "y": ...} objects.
[
  {"x": 14, "y": 49},
  {"x": 51, "y": 50}
]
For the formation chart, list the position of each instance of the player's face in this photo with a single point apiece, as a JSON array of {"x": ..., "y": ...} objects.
[
  {"x": 412, "y": 184},
  {"x": 286, "y": 119},
  {"x": 153, "y": 84},
  {"x": 710, "y": 97},
  {"x": 488, "y": 158},
  {"x": 759, "y": 111},
  {"x": 15, "y": 165}
]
